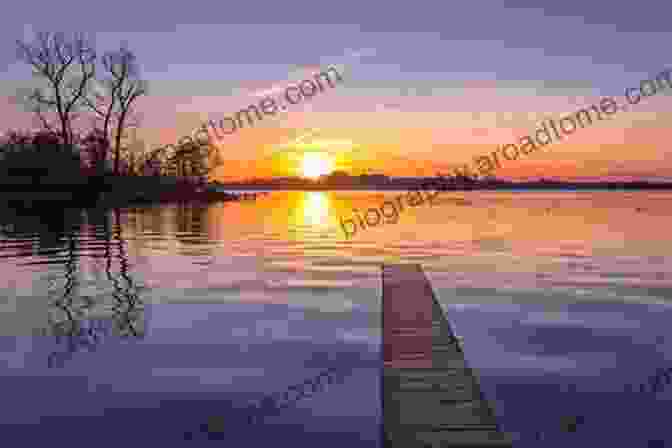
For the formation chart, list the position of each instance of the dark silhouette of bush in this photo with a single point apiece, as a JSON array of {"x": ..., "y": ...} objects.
[{"x": 38, "y": 159}]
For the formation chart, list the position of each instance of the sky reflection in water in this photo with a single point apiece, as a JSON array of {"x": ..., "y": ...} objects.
[{"x": 562, "y": 299}]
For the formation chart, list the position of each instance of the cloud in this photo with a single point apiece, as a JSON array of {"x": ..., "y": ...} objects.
[
  {"x": 312, "y": 69},
  {"x": 302, "y": 137}
]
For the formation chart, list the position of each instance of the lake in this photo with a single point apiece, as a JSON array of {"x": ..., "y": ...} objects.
[{"x": 163, "y": 324}]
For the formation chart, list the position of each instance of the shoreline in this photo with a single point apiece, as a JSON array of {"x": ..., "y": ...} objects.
[
  {"x": 112, "y": 193},
  {"x": 399, "y": 188}
]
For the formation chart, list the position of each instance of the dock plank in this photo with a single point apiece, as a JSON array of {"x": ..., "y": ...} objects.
[{"x": 431, "y": 398}]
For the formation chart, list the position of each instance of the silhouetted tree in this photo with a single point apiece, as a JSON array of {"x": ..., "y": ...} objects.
[
  {"x": 67, "y": 64},
  {"x": 190, "y": 162},
  {"x": 115, "y": 94},
  {"x": 134, "y": 155},
  {"x": 95, "y": 147}
]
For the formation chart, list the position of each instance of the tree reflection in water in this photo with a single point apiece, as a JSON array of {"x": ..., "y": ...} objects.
[{"x": 74, "y": 328}]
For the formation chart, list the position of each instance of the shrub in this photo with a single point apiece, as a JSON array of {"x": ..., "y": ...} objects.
[{"x": 38, "y": 159}]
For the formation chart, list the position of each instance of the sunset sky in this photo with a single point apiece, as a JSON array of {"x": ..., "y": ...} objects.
[{"x": 425, "y": 86}]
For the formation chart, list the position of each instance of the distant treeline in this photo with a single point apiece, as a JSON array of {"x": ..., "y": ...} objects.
[{"x": 381, "y": 182}]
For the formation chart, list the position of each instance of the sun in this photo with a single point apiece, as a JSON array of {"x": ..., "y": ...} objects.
[{"x": 315, "y": 164}]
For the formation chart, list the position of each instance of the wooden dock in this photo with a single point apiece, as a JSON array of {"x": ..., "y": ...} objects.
[{"x": 431, "y": 398}]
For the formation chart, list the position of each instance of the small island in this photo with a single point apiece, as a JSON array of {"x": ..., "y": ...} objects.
[{"x": 84, "y": 151}]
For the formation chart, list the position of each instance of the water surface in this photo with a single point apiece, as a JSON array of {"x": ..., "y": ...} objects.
[{"x": 174, "y": 319}]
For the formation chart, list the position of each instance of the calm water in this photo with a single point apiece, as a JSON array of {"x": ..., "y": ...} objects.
[{"x": 144, "y": 325}]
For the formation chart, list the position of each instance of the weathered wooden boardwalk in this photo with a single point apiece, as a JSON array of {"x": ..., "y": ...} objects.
[{"x": 431, "y": 398}]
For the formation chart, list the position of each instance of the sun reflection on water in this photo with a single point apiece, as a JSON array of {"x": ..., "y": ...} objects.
[{"x": 316, "y": 208}]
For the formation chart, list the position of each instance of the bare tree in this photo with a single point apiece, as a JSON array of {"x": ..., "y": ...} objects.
[
  {"x": 134, "y": 153},
  {"x": 191, "y": 162},
  {"x": 95, "y": 147},
  {"x": 68, "y": 65},
  {"x": 114, "y": 97}
]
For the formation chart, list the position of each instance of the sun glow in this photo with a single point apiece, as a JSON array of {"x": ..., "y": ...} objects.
[{"x": 315, "y": 164}]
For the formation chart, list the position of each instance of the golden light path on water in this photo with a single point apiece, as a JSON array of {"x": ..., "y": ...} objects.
[{"x": 316, "y": 209}]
